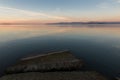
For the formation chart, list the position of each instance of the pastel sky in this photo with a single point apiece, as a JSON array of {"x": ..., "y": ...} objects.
[{"x": 59, "y": 10}]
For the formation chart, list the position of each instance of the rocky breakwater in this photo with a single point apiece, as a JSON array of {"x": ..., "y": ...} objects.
[{"x": 52, "y": 66}]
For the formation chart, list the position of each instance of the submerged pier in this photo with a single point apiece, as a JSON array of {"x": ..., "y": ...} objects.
[{"x": 61, "y": 65}]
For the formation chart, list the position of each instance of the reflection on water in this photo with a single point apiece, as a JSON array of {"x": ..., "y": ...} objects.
[
  {"x": 98, "y": 45},
  {"x": 13, "y": 32}
]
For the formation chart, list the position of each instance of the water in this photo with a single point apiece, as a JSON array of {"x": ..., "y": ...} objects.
[{"x": 97, "y": 45}]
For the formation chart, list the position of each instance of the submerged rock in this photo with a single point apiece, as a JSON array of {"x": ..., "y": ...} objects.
[
  {"x": 57, "y": 61},
  {"x": 118, "y": 78},
  {"x": 55, "y": 76},
  {"x": 52, "y": 66}
]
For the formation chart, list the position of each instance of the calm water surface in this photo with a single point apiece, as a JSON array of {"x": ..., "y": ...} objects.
[{"x": 98, "y": 45}]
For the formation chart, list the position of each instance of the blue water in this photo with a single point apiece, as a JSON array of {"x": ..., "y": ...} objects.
[{"x": 97, "y": 45}]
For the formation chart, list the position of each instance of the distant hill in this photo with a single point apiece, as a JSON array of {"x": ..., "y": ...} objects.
[{"x": 78, "y": 23}]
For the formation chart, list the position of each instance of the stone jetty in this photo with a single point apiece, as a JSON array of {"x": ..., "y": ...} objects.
[{"x": 61, "y": 65}]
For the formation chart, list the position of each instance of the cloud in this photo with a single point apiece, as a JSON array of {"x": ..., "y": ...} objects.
[
  {"x": 118, "y": 1},
  {"x": 31, "y": 13},
  {"x": 103, "y": 5}
]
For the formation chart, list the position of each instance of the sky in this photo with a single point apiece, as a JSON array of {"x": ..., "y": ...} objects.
[{"x": 43, "y": 11}]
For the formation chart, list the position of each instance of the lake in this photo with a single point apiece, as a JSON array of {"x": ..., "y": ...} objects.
[{"x": 97, "y": 44}]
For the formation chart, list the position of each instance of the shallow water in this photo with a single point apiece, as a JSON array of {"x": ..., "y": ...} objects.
[{"x": 98, "y": 45}]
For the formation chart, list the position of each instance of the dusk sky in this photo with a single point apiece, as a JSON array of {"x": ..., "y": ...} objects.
[{"x": 59, "y": 10}]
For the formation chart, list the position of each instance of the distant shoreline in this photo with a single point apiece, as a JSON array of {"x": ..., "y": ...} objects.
[{"x": 60, "y": 23}]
